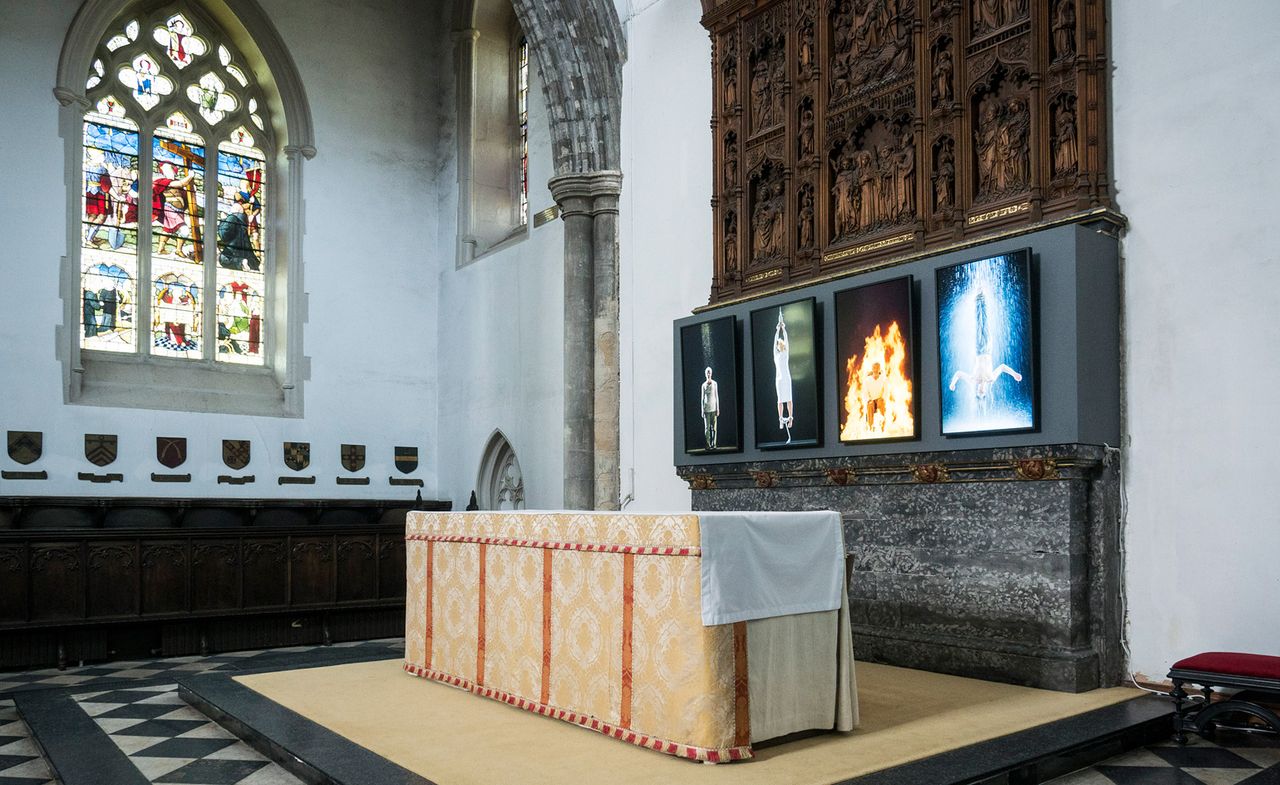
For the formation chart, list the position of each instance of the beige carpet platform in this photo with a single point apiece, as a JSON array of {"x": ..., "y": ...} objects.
[{"x": 456, "y": 738}]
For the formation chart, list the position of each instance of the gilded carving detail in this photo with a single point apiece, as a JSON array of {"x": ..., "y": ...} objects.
[{"x": 1001, "y": 138}]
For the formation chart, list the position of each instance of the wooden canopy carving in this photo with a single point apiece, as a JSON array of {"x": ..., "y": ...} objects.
[{"x": 848, "y": 132}]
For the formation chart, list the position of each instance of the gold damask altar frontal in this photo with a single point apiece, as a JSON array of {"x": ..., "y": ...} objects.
[{"x": 592, "y": 618}]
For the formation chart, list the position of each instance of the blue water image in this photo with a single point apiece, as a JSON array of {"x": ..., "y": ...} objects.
[{"x": 985, "y": 346}]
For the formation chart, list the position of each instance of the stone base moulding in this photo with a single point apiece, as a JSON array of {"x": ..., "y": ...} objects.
[{"x": 999, "y": 564}]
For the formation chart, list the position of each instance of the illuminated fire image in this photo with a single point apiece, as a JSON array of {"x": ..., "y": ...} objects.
[{"x": 877, "y": 399}]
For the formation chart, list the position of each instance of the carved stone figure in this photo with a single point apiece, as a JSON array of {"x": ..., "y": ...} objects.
[
  {"x": 731, "y": 241},
  {"x": 804, "y": 218},
  {"x": 730, "y": 69},
  {"x": 761, "y": 96},
  {"x": 767, "y": 221},
  {"x": 841, "y": 50},
  {"x": 730, "y": 162},
  {"x": 806, "y": 133},
  {"x": 985, "y": 142},
  {"x": 1012, "y": 11},
  {"x": 943, "y": 71},
  {"x": 986, "y": 16},
  {"x": 944, "y": 179},
  {"x": 1063, "y": 29},
  {"x": 904, "y": 176},
  {"x": 1015, "y": 146},
  {"x": 845, "y": 197},
  {"x": 868, "y": 190},
  {"x": 804, "y": 57},
  {"x": 1065, "y": 154}
]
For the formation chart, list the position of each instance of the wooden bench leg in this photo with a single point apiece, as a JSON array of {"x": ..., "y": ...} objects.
[{"x": 1179, "y": 712}]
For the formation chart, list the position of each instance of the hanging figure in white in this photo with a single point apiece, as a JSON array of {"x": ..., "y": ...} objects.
[{"x": 782, "y": 376}]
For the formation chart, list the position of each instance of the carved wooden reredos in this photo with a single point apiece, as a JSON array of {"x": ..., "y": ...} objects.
[{"x": 850, "y": 131}]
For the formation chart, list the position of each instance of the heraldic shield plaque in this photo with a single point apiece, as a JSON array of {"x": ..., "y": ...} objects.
[
  {"x": 235, "y": 453},
  {"x": 297, "y": 455},
  {"x": 353, "y": 457},
  {"x": 406, "y": 459},
  {"x": 101, "y": 448},
  {"x": 26, "y": 446}
]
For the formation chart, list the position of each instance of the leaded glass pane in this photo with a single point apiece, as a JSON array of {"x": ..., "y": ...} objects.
[
  {"x": 241, "y": 246},
  {"x": 180, "y": 43},
  {"x": 177, "y": 217},
  {"x": 175, "y": 309},
  {"x": 177, "y": 195},
  {"x": 211, "y": 97},
  {"x": 95, "y": 78},
  {"x": 143, "y": 77},
  {"x": 109, "y": 237}
]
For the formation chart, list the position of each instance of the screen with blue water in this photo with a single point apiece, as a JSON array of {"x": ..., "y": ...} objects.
[{"x": 986, "y": 345}]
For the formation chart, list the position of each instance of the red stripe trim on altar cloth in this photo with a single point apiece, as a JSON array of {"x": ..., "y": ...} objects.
[
  {"x": 741, "y": 686},
  {"x": 642, "y": 550},
  {"x": 692, "y": 752},
  {"x": 546, "y": 626},
  {"x": 480, "y": 631},
  {"x": 628, "y": 608},
  {"x": 431, "y": 550}
]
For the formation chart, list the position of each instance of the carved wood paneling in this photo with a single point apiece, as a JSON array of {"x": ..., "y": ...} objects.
[
  {"x": 311, "y": 571},
  {"x": 847, "y": 132},
  {"x": 13, "y": 583},
  {"x": 113, "y": 579},
  {"x": 165, "y": 587},
  {"x": 266, "y": 572},
  {"x": 58, "y": 579},
  {"x": 215, "y": 575},
  {"x": 391, "y": 559},
  {"x": 357, "y": 569}
]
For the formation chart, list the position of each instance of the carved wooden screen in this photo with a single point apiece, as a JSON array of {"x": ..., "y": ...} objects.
[{"x": 848, "y": 132}]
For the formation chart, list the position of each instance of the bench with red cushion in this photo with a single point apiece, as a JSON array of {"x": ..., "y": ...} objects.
[{"x": 1256, "y": 675}]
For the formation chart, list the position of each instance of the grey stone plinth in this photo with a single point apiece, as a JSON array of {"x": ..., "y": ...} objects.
[{"x": 996, "y": 564}]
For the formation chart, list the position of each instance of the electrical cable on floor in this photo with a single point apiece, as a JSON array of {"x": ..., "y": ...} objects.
[{"x": 1109, "y": 457}]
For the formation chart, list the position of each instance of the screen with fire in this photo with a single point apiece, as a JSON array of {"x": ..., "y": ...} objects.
[
  {"x": 986, "y": 345},
  {"x": 876, "y": 362}
]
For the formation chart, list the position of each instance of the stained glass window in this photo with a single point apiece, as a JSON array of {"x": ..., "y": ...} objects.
[
  {"x": 242, "y": 176},
  {"x": 522, "y": 107},
  {"x": 178, "y": 95},
  {"x": 109, "y": 229}
]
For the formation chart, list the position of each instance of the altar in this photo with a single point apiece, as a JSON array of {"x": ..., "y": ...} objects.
[{"x": 695, "y": 634}]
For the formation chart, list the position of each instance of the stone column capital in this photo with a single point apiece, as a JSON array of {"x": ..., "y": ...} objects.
[{"x": 586, "y": 193}]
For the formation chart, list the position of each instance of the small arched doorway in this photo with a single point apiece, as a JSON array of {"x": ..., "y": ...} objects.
[{"x": 500, "y": 484}]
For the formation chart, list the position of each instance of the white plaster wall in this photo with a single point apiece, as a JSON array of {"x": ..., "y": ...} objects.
[
  {"x": 1196, "y": 172},
  {"x": 665, "y": 229},
  {"x": 501, "y": 357},
  {"x": 371, "y": 329}
]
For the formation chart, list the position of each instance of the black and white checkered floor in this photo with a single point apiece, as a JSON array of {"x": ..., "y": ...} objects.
[
  {"x": 159, "y": 669},
  {"x": 20, "y": 760},
  {"x": 136, "y": 706},
  {"x": 1231, "y": 759},
  {"x": 170, "y": 742}
]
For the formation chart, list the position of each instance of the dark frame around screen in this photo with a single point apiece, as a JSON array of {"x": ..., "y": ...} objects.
[
  {"x": 986, "y": 309},
  {"x": 711, "y": 344},
  {"x": 802, "y": 414},
  {"x": 857, "y": 309}
]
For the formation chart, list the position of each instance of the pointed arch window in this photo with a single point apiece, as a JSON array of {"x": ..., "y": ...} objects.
[
  {"x": 187, "y": 127},
  {"x": 174, "y": 252}
]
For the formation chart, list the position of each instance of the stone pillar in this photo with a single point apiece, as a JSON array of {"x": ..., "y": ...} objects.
[{"x": 589, "y": 205}]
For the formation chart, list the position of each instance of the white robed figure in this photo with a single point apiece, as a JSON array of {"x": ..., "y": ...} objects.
[
  {"x": 782, "y": 376},
  {"x": 983, "y": 376}
]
